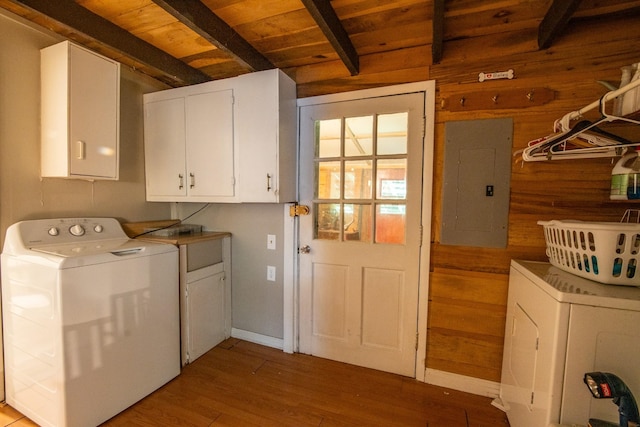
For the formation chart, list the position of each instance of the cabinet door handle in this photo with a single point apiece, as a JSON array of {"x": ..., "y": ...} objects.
[
  {"x": 268, "y": 182},
  {"x": 181, "y": 180},
  {"x": 80, "y": 150},
  {"x": 192, "y": 179}
]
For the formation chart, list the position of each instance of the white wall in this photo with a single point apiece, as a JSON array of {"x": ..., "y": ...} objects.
[{"x": 23, "y": 195}]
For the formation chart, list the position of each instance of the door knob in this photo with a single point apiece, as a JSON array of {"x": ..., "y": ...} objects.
[{"x": 304, "y": 249}]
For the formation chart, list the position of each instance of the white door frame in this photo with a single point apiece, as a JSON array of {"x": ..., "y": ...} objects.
[{"x": 291, "y": 282}]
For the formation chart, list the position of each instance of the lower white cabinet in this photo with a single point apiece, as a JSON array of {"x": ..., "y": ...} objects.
[
  {"x": 205, "y": 296},
  {"x": 205, "y": 310}
]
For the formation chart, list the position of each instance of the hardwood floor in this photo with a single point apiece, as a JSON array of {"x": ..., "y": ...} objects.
[{"x": 243, "y": 384}]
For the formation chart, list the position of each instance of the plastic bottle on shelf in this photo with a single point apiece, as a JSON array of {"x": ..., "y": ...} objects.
[{"x": 625, "y": 178}]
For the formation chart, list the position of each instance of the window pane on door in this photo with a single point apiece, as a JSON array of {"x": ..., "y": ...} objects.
[
  {"x": 328, "y": 180},
  {"x": 328, "y": 134},
  {"x": 358, "y": 179},
  {"x": 392, "y": 133},
  {"x": 327, "y": 221},
  {"x": 358, "y": 136},
  {"x": 390, "y": 223},
  {"x": 357, "y": 222},
  {"x": 392, "y": 179}
]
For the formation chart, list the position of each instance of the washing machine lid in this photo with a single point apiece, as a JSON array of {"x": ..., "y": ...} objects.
[
  {"x": 569, "y": 288},
  {"x": 71, "y": 242}
]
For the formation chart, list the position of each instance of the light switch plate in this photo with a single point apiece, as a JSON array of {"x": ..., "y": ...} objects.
[{"x": 271, "y": 241}]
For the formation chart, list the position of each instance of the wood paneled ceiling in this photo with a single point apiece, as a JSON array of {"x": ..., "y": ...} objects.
[{"x": 181, "y": 42}]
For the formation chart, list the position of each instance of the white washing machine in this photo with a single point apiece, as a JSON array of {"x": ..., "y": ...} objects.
[
  {"x": 559, "y": 327},
  {"x": 90, "y": 318}
]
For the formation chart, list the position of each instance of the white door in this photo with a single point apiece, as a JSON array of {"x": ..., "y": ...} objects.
[{"x": 361, "y": 175}]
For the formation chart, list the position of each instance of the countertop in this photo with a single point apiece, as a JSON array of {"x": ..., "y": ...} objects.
[{"x": 135, "y": 230}]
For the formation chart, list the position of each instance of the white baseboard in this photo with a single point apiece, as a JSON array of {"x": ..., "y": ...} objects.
[
  {"x": 462, "y": 383},
  {"x": 257, "y": 338}
]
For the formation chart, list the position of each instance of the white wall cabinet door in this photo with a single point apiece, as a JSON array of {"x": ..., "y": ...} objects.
[
  {"x": 164, "y": 149},
  {"x": 80, "y": 110},
  {"x": 189, "y": 147},
  {"x": 267, "y": 113},
  {"x": 209, "y": 145}
]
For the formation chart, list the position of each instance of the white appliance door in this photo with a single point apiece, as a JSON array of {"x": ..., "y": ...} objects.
[
  {"x": 605, "y": 340},
  {"x": 533, "y": 359}
]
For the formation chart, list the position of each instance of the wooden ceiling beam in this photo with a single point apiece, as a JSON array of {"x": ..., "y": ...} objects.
[
  {"x": 555, "y": 21},
  {"x": 200, "y": 19},
  {"x": 438, "y": 31},
  {"x": 71, "y": 14},
  {"x": 326, "y": 18}
]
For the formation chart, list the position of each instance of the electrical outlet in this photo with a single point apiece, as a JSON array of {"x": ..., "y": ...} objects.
[
  {"x": 271, "y": 273},
  {"x": 271, "y": 241}
]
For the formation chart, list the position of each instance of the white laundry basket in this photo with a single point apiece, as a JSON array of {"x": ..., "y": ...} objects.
[{"x": 607, "y": 252}]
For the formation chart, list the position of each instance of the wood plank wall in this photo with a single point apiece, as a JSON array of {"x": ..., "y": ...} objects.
[{"x": 468, "y": 285}]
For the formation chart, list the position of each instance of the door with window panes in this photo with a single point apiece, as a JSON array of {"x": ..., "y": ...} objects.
[{"x": 361, "y": 175}]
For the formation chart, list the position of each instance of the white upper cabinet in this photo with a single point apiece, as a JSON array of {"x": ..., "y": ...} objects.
[
  {"x": 231, "y": 140},
  {"x": 266, "y": 110},
  {"x": 189, "y": 144},
  {"x": 80, "y": 107},
  {"x": 164, "y": 149}
]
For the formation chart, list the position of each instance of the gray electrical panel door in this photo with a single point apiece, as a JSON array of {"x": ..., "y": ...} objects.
[{"x": 477, "y": 176}]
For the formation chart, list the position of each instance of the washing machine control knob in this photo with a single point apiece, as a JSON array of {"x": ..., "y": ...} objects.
[
  {"x": 76, "y": 230},
  {"x": 53, "y": 231},
  {"x": 98, "y": 228}
]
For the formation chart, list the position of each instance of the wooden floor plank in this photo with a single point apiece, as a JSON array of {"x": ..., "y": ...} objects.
[{"x": 244, "y": 384}]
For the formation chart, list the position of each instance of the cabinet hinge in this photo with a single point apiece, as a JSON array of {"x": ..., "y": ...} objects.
[
  {"x": 417, "y": 338},
  {"x": 424, "y": 127},
  {"x": 532, "y": 394},
  {"x": 297, "y": 210}
]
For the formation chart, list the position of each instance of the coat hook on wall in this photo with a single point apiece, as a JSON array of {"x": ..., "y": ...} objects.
[{"x": 492, "y": 99}]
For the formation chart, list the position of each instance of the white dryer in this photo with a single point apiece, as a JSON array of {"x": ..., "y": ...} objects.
[
  {"x": 90, "y": 318},
  {"x": 559, "y": 327}
]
